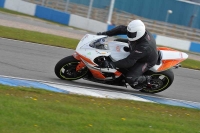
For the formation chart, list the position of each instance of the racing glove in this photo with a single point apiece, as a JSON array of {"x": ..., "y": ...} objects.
[{"x": 101, "y": 33}]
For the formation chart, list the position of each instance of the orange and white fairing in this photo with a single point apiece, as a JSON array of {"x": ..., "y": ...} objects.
[
  {"x": 115, "y": 50},
  {"x": 170, "y": 58},
  {"x": 86, "y": 54}
]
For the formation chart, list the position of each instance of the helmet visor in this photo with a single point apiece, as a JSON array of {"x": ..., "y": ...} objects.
[{"x": 131, "y": 34}]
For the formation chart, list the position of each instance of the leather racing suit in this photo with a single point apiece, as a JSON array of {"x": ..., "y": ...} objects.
[{"x": 143, "y": 55}]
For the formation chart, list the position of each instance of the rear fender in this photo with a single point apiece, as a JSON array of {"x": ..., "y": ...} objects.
[{"x": 170, "y": 58}]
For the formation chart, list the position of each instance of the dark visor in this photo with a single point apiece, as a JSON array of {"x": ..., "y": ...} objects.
[{"x": 131, "y": 34}]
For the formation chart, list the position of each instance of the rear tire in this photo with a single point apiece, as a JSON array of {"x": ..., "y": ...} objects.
[
  {"x": 66, "y": 69},
  {"x": 160, "y": 81}
]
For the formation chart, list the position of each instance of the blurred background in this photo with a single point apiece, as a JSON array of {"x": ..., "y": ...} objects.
[{"x": 175, "y": 18}]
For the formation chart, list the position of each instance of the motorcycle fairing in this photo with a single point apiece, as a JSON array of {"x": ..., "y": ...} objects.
[
  {"x": 87, "y": 54},
  {"x": 170, "y": 58},
  {"x": 115, "y": 51}
]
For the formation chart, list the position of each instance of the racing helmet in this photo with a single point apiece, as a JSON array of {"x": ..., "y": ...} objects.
[{"x": 135, "y": 30}]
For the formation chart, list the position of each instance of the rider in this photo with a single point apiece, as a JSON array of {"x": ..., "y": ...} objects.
[{"x": 143, "y": 52}]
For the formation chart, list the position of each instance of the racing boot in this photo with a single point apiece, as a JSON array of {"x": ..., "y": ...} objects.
[{"x": 141, "y": 82}]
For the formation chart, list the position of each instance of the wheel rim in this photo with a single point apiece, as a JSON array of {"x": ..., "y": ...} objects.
[
  {"x": 68, "y": 71},
  {"x": 158, "y": 82}
]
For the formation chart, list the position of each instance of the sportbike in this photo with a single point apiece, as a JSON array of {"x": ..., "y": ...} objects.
[{"x": 92, "y": 50}]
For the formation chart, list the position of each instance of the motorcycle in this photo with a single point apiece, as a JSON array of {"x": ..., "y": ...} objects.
[{"x": 92, "y": 50}]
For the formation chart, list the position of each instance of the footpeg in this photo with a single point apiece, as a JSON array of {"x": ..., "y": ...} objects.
[{"x": 148, "y": 79}]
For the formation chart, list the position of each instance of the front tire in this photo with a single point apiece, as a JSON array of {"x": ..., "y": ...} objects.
[
  {"x": 160, "y": 81},
  {"x": 66, "y": 69}
]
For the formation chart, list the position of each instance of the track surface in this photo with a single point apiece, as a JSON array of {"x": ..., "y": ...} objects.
[{"x": 35, "y": 61}]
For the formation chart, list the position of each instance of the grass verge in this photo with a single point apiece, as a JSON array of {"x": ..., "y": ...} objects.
[
  {"x": 39, "y": 111},
  {"x": 190, "y": 63},
  {"x": 37, "y": 37}
]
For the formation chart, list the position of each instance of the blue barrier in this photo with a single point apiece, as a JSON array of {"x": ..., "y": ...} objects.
[
  {"x": 194, "y": 47},
  {"x": 154, "y": 35},
  {"x": 52, "y": 15},
  {"x": 2, "y": 2},
  {"x": 110, "y": 27}
]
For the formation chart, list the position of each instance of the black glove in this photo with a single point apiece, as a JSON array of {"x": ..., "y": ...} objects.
[
  {"x": 127, "y": 49},
  {"x": 101, "y": 33},
  {"x": 108, "y": 64}
]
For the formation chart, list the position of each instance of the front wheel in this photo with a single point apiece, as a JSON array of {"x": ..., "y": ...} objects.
[
  {"x": 66, "y": 69},
  {"x": 159, "y": 81}
]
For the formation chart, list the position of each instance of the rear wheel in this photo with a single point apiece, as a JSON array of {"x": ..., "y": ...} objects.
[
  {"x": 159, "y": 81},
  {"x": 66, "y": 69}
]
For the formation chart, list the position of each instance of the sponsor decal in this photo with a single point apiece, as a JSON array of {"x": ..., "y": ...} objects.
[
  {"x": 148, "y": 37},
  {"x": 136, "y": 51},
  {"x": 89, "y": 53},
  {"x": 181, "y": 55},
  {"x": 144, "y": 67},
  {"x": 118, "y": 49},
  {"x": 101, "y": 52}
]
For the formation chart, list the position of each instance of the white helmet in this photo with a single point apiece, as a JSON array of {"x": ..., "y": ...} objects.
[{"x": 135, "y": 30}]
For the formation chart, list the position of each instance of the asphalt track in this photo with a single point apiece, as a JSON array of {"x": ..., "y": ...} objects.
[{"x": 35, "y": 61}]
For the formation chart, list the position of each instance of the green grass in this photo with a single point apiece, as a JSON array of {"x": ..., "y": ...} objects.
[
  {"x": 28, "y": 110},
  {"x": 190, "y": 63},
  {"x": 37, "y": 37}
]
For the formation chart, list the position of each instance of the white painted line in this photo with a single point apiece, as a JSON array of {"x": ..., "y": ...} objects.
[{"x": 98, "y": 93}]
